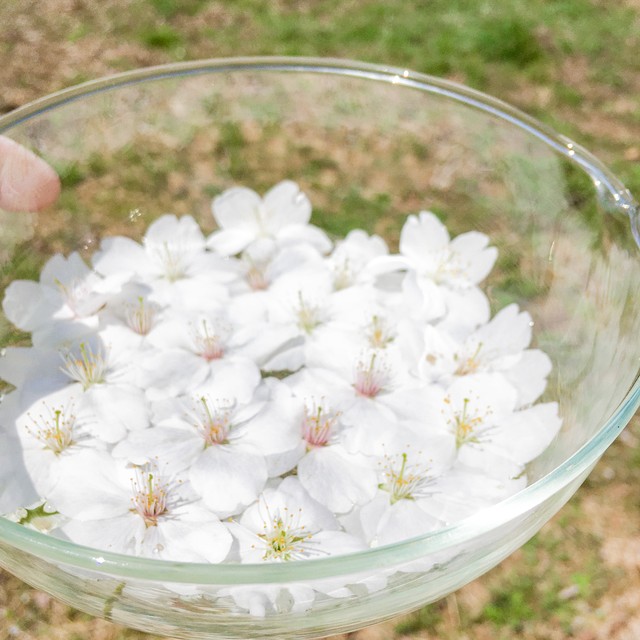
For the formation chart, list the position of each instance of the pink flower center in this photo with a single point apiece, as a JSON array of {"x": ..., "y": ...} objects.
[
  {"x": 213, "y": 423},
  {"x": 371, "y": 378},
  {"x": 208, "y": 343},
  {"x": 149, "y": 497},
  {"x": 317, "y": 426}
]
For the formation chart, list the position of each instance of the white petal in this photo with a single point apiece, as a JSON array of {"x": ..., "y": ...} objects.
[
  {"x": 169, "y": 229},
  {"x": 234, "y": 378},
  {"x": 230, "y": 242},
  {"x": 227, "y": 479},
  {"x": 422, "y": 237},
  {"x": 181, "y": 539},
  {"x": 237, "y": 208},
  {"x": 530, "y": 431},
  {"x": 116, "y": 409},
  {"x": 16, "y": 487},
  {"x": 63, "y": 270},
  {"x": 171, "y": 372},
  {"x": 305, "y": 234},
  {"x": 403, "y": 520},
  {"x": 336, "y": 480},
  {"x": 286, "y": 205},
  {"x": 117, "y": 535},
  {"x": 472, "y": 252},
  {"x": 177, "y": 447},
  {"x": 120, "y": 255},
  {"x": 336, "y": 543},
  {"x": 87, "y": 489},
  {"x": 36, "y": 372},
  {"x": 529, "y": 375},
  {"x": 26, "y": 307}
]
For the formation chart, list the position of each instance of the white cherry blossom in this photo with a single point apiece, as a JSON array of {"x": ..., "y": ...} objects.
[
  {"x": 145, "y": 510},
  {"x": 351, "y": 257},
  {"x": 281, "y": 217},
  {"x": 63, "y": 304},
  {"x": 172, "y": 260},
  {"x": 287, "y": 524},
  {"x": 501, "y": 345}
]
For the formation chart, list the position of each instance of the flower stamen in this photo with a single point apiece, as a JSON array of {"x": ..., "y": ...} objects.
[
  {"x": 342, "y": 275},
  {"x": 465, "y": 425},
  {"x": 171, "y": 260},
  {"x": 209, "y": 343},
  {"x": 87, "y": 369},
  {"x": 379, "y": 333},
  {"x": 406, "y": 481},
  {"x": 213, "y": 424},
  {"x": 371, "y": 378},
  {"x": 309, "y": 315},
  {"x": 471, "y": 364},
  {"x": 318, "y": 425},
  {"x": 149, "y": 497},
  {"x": 55, "y": 432},
  {"x": 285, "y": 539},
  {"x": 75, "y": 293},
  {"x": 140, "y": 318}
]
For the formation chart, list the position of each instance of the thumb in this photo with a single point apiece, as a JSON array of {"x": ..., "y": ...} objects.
[{"x": 27, "y": 183}]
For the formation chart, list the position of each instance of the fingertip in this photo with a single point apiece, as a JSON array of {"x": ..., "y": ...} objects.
[{"x": 27, "y": 182}]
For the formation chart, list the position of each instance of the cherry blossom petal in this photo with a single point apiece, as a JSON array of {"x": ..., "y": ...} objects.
[
  {"x": 335, "y": 479},
  {"x": 228, "y": 479}
]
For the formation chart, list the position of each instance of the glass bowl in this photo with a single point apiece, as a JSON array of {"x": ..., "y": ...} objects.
[{"x": 369, "y": 145}]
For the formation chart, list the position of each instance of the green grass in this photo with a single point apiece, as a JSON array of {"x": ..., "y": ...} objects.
[
  {"x": 172, "y": 8},
  {"x": 161, "y": 37},
  {"x": 426, "y": 618},
  {"x": 357, "y": 212}
]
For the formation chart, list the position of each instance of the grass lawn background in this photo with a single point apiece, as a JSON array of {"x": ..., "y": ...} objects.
[{"x": 575, "y": 64}]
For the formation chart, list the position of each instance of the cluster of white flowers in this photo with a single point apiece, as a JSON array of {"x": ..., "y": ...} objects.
[{"x": 265, "y": 394}]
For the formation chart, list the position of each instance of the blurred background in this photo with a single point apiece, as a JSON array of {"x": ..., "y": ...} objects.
[{"x": 574, "y": 64}]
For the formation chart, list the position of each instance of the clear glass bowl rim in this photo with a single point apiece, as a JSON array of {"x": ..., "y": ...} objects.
[{"x": 118, "y": 565}]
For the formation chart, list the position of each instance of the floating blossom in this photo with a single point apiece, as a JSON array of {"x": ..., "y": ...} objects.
[
  {"x": 191, "y": 350},
  {"x": 63, "y": 304},
  {"x": 441, "y": 274},
  {"x": 491, "y": 434},
  {"x": 403, "y": 505},
  {"x": 52, "y": 431},
  {"x": 427, "y": 248},
  {"x": 501, "y": 345},
  {"x": 172, "y": 261},
  {"x": 333, "y": 476},
  {"x": 281, "y": 217},
  {"x": 141, "y": 509},
  {"x": 228, "y": 448},
  {"x": 287, "y": 524},
  {"x": 351, "y": 257}
]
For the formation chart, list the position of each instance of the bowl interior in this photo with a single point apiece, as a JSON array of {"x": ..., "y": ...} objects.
[{"x": 369, "y": 146}]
